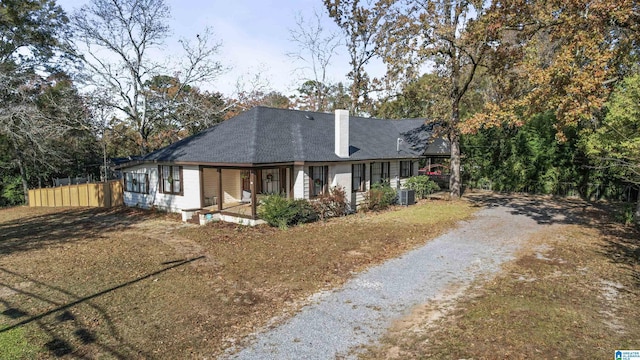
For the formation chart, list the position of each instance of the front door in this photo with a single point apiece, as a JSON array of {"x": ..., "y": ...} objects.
[{"x": 246, "y": 180}]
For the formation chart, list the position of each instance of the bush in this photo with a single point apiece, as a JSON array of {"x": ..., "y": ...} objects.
[
  {"x": 332, "y": 204},
  {"x": 422, "y": 185},
  {"x": 625, "y": 214},
  {"x": 11, "y": 192},
  {"x": 305, "y": 212},
  {"x": 379, "y": 197},
  {"x": 281, "y": 212}
]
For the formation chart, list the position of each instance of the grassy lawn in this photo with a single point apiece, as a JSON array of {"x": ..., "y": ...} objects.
[
  {"x": 131, "y": 284},
  {"x": 573, "y": 294}
]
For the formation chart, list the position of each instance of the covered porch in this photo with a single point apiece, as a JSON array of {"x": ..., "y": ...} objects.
[
  {"x": 233, "y": 193},
  {"x": 437, "y": 168}
]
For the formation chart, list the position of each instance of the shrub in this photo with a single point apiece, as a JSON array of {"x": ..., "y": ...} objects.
[
  {"x": 422, "y": 185},
  {"x": 305, "y": 212},
  {"x": 281, "y": 212},
  {"x": 11, "y": 192},
  {"x": 625, "y": 214},
  {"x": 483, "y": 184},
  {"x": 379, "y": 197},
  {"x": 332, "y": 204}
]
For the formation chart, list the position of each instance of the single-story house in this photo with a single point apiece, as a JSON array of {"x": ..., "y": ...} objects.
[{"x": 223, "y": 170}]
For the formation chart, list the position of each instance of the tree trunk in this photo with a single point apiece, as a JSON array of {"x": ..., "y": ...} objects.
[
  {"x": 104, "y": 173},
  {"x": 454, "y": 140},
  {"x": 454, "y": 179},
  {"x": 23, "y": 177},
  {"x": 637, "y": 214}
]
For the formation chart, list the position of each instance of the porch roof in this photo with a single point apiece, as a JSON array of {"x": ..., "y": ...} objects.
[{"x": 267, "y": 135}]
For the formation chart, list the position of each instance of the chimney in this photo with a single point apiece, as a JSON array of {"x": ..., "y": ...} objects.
[{"x": 342, "y": 133}]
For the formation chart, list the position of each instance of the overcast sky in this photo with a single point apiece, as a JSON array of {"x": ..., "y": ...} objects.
[{"x": 254, "y": 34}]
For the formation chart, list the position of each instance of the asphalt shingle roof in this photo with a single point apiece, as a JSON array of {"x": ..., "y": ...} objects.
[{"x": 266, "y": 135}]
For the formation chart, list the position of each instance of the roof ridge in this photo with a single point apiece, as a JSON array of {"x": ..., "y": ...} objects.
[
  {"x": 271, "y": 135},
  {"x": 181, "y": 141},
  {"x": 263, "y": 107},
  {"x": 254, "y": 144},
  {"x": 297, "y": 138}
]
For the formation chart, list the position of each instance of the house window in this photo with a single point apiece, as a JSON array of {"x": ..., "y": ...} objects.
[
  {"x": 357, "y": 177},
  {"x": 136, "y": 182},
  {"x": 406, "y": 170},
  {"x": 271, "y": 181},
  {"x": 170, "y": 179},
  {"x": 318, "y": 176},
  {"x": 380, "y": 172}
]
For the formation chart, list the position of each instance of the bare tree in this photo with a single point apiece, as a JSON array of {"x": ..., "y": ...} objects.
[
  {"x": 449, "y": 36},
  {"x": 362, "y": 23},
  {"x": 101, "y": 115},
  {"x": 316, "y": 48},
  {"x": 38, "y": 104},
  {"x": 37, "y": 114},
  {"x": 118, "y": 39}
]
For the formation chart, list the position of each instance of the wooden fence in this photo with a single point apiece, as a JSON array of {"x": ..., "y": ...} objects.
[{"x": 107, "y": 194}]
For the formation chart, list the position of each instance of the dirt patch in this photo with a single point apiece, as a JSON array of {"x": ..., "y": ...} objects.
[
  {"x": 169, "y": 234},
  {"x": 422, "y": 319},
  {"x": 427, "y": 313}
]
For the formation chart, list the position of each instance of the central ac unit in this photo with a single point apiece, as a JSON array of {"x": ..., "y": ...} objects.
[{"x": 407, "y": 197}]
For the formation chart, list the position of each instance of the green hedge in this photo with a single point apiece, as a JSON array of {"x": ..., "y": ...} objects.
[
  {"x": 422, "y": 185},
  {"x": 379, "y": 197},
  {"x": 281, "y": 212}
]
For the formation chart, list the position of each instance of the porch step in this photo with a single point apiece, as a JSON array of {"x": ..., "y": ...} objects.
[{"x": 195, "y": 219}]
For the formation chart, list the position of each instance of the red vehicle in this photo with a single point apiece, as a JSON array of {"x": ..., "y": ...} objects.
[{"x": 433, "y": 169}]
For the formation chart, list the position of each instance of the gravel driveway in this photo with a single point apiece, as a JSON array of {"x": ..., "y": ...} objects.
[{"x": 337, "y": 323}]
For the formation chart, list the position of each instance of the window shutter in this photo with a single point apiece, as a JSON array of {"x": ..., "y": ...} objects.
[
  {"x": 160, "y": 179},
  {"x": 325, "y": 187},
  {"x": 310, "y": 172}
]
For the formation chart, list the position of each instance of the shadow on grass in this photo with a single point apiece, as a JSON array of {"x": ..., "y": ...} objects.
[
  {"x": 622, "y": 246},
  {"x": 62, "y": 314},
  {"x": 35, "y": 232},
  {"x": 543, "y": 210},
  {"x": 621, "y": 243}
]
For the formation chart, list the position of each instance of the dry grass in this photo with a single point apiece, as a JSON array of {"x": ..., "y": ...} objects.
[
  {"x": 573, "y": 294},
  {"x": 130, "y": 284}
]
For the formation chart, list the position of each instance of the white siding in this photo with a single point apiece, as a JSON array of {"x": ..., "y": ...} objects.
[
  {"x": 168, "y": 202},
  {"x": 191, "y": 191},
  {"x": 300, "y": 183},
  {"x": 394, "y": 169},
  {"x": 340, "y": 175},
  {"x": 415, "y": 166},
  {"x": 343, "y": 177},
  {"x": 367, "y": 185},
  {"x": 271, "y": 187},
  {"x": 288, "y": 182},
  {"x": 394, "y": 173},
  {"x": 142, "y": 200},
  {"x": 359, "y": 196}
]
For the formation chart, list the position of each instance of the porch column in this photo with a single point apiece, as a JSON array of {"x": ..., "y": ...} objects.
[
  {"x": 220, "y": 198},
  {"x": 201, "y": 171},
  {"x": 252, "y": 185},
  {"x": 289, "y": 181}
]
